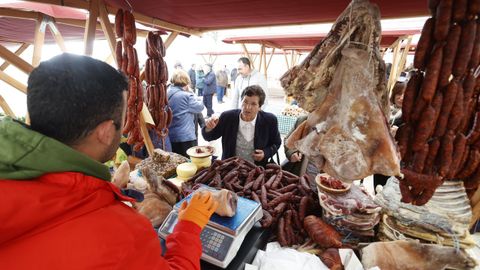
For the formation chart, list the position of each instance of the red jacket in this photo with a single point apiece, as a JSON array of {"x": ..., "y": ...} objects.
[{"x": 73, "y": 221}]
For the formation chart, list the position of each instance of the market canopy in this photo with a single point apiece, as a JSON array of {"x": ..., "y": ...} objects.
[{"x": 213, "y": 14}]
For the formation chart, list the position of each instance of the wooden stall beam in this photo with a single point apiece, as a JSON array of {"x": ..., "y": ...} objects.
[
  {"x": 170, "y": 39},
  {"x": 107, "y": 27},
  {"x": 90, "y": 27},
  {"x": 15, "y": 60},
  {"x": 265, "y": 62},
  {"x": 4, "y": 105},
  {"x": 19, "y": 14},
  {"x": 57, "y": 36},
  {"x": 18, "y": 52},
  {"x": 13, "y": 82},
  {"x": 39, "y": 39}
]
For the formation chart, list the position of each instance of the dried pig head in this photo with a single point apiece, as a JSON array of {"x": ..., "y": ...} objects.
[{"x": 350, "y": 132}]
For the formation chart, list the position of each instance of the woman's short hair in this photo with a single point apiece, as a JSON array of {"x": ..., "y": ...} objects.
[
  {"x": 254, "y": 90},
  {"x": 398, "y": 89},
  {"x": 180, "y": 78}
]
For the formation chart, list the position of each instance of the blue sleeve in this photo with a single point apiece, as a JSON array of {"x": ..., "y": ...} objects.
[
  {"x": 194, "y": 106},
  {"x": 210, "y": 78}
]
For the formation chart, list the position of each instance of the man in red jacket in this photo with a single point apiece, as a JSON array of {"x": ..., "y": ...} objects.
[{"x": 58, "y": 207}]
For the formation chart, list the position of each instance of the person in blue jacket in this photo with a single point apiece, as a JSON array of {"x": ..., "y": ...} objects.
[
  {"x": 184, "y": 107},
  {"x": 210, "y": 88}
]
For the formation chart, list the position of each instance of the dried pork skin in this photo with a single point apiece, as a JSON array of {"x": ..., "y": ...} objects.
[
  {"x": 350, "y": 131},
  {"x": 410, "y": 255}
]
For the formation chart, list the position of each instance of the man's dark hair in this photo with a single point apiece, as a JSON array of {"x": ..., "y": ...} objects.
[
  {"x": 245, "y": 61},
  {"x": 70, "y": 95},
  {"x": 254, "y": 90}
]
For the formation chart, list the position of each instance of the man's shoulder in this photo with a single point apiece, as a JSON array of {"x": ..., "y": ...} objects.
[
  {"x": 231, "y": 113},
  {"x": 267, "y": 116}
]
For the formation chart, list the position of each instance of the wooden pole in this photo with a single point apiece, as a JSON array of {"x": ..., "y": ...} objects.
[
  {"x": 57, "y": 36},
  {"x": 146, "y": 137},
  {"x": 261, "y": 58},
  {"x": 271, "y": 56},
  {"x": 39, "y": 40},
  {"x": 15, "y": 60},
  {"x": 403, "y": 58},
  {"x": 286, "y": 59},
  {"x": 396, "y": 59},
  {"x": 252, "y": 62},
  {"x": 292, "y": 59},
  {"x": 4, "y": 105},
  {"x": 265, "y": 62},
  {"x": 170, "y": 39},
  {"x": 18, "y": 52},
  {"x": 13, "y": 82},
  {"x": 107, "y": 28},
  {"x": 90, "y": 27}
]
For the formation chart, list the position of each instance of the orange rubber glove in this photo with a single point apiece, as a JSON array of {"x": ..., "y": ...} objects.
[{"x": 201, "y": 207}]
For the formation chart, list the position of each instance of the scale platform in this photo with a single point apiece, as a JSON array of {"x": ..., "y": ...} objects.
[{"x": 222, "y": 236}]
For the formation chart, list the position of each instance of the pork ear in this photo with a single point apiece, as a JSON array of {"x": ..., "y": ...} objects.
[{"x": 300, "y": 132}]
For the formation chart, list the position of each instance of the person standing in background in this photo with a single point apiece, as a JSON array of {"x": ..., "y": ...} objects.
[
  {"x": 199, "y": 81},
  {"x": 247, "y": 77},
  {"x": 222, "y": 82},
  {"x": 210, "y": 88},
  {"x": 184, "y": 107},
  {"x": 233, "y": 76},
  {"x": 193, "y": 77}
]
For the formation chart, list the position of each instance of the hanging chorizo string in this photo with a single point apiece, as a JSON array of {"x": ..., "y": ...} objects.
[
  {"x": 127, "y": 60},
  {"x": 156, "y": 76},
  {"x": 440, "y": 137}
]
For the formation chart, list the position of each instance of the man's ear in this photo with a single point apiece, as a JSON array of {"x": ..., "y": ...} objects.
[{"x": 104, "y": 133}]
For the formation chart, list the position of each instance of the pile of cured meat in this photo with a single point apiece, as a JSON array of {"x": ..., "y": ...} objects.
[
  {"x": 443, "y": 220},
  {"x": 127, "y": 61},
  {"x": 286, "y": 199},
  {"x": 342, "y": 84},
  {"x": 156, "y": 76},
  {"x": 352, "y": 213},
  {"x": 440, "y": 138}
]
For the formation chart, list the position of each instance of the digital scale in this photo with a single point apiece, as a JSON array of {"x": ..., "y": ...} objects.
[{"x": 222, "y": 236}]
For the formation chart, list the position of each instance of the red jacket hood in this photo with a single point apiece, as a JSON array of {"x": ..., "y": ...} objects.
[{"x": 29, "y": 207}]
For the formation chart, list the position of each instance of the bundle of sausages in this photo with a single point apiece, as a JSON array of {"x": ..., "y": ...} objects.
[
  {"x": 156, "y": 76},
  {"x": 439, "y": 139},
  {"x": 127, "y": 60},
  {"x": 286, "y": 198}
]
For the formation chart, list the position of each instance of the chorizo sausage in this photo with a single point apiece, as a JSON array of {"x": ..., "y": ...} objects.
[
  {"x": 474, "y": 133},
  {"x": 419, "y": 159},
  {"x": 402, "y": 137},
  {"x": 459, "y": 10},
  {"x": 468, "y": 87},
  {"x": 432, "y": 6},
  {"x": 424, "y": 129},
  {"x": 457, "y": 113},
  {"x": 129, "y": 30},
  {"x": 474, "y": 7},
  {"x": 119, "y": 54},
  {"x": 475, "y": 57},
  {"x": 467, "y": 41},
  {"x": 411, "y": 92},
  {"x": 433, "y": 147},
  {"x": 424, "y": 45},
  {"x": 131, "y": 59},
  {"x": 466, "y": 153},
  {"x": 449, "y": 52},
  {"x": 430, "y": 82},
  {"x": 448, "y": 102},
  {"x": 119, "y": 23},
  {"x": 446, "y": 153},
  {"x": 458, "y": 149},
  {"x": 471, "y": 164},
  {"x": 443, "y": 16}
]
